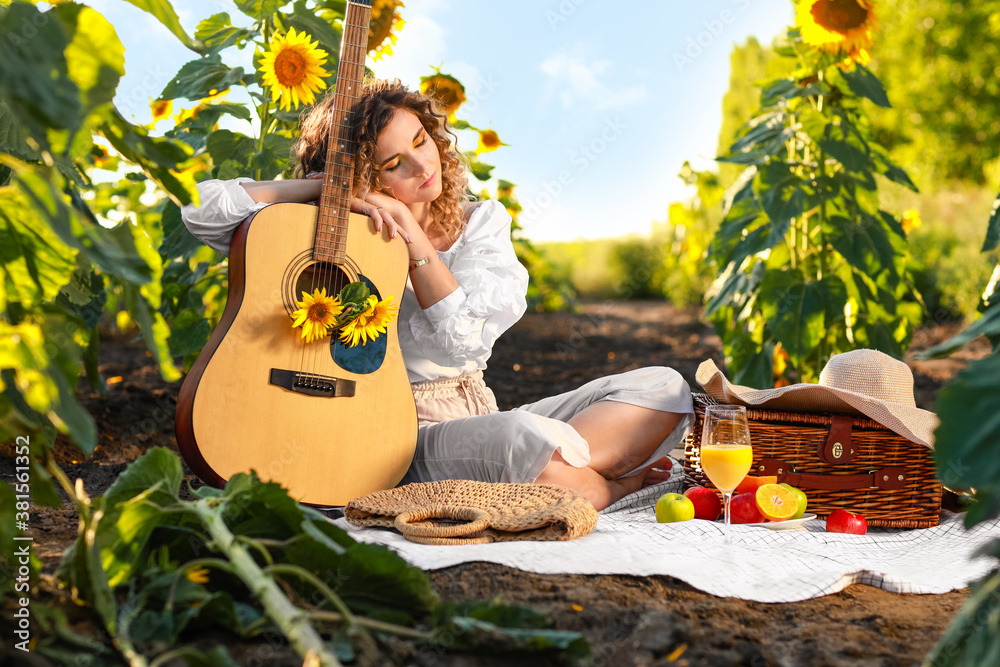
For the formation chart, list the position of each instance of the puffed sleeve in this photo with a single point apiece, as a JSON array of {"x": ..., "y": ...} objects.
[
  {"x": 489, "y": 299},
  {"x": 223, "y": 206}
]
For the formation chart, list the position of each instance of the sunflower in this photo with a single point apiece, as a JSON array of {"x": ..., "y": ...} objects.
[
  {"x": 161, "y": 109},
  {"x": 385, "y": 25},
  {"x": 370, "y": 322},
  {"x": 911, "y": 220},
  {"x": 838, "y": 26},
  {"x": 488, "y": 141},
  {"x": 197, "y": 575},
  {"x": 292, "y": 69},
  {"x": 316, "y": 314},
  {"x": 446, "y": 90}
]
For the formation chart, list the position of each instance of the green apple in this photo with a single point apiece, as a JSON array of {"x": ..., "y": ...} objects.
[
  {"x": 673, "y": 507},
  {"x": 801, "y": 497}
]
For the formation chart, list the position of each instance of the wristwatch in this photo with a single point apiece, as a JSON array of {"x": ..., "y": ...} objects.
[{"x": 418, "y": 262}]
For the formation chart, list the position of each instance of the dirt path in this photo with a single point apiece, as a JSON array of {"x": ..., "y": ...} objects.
[{"x": 628, "y": 620}]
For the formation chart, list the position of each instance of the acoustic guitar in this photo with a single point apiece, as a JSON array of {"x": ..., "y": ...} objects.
[{"x": 326, "y": 421}]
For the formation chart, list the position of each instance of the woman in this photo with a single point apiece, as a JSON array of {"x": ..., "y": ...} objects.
[{"x": 465, "y": 288}]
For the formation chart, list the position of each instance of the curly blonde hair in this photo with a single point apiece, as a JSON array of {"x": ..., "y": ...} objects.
[{"x": 371, "y": 114}]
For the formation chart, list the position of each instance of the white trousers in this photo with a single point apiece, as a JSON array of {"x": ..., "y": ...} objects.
[{"x": 516, "y": 445}]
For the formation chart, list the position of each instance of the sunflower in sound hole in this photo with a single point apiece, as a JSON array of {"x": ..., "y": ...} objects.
[{"x": 355, "y": 312}]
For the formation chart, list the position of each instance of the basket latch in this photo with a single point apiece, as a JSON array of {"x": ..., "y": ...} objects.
[{"x": 838, "y": 447}]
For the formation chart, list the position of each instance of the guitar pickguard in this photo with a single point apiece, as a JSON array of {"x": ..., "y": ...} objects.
[{"x": 360, "y": 359}]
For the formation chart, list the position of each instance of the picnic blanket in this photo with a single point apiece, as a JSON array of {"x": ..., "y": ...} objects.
[{"x": 761, "y": 564}]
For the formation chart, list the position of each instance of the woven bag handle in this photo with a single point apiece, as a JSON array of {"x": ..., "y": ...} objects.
[{"x": 478, "y": 521}]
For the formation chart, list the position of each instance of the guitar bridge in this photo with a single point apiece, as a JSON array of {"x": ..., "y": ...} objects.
[{"x": 312, "y": 384}]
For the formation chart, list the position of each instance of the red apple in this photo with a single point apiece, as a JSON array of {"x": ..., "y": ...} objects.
[
  {"x": 743, "y": 509},
  {"x": 707, "y": 505},
  {"x": 842, "y": 521}
]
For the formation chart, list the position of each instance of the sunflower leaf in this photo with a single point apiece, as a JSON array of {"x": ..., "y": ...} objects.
[
  {"x": 354, "y": 294},
  {"x": 968, "y": 440},
  {"x": 259, "y": 9},
  {"x": 864, "y": 83},
  {"x": 165, "y": 14},
  {"x": 202, "y": 78},
  {"x": 993, "y": 228},
  {"x": 217, "y": 33}
]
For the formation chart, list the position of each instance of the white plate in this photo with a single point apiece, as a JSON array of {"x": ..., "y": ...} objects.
[{"x": 781, "y": 525}]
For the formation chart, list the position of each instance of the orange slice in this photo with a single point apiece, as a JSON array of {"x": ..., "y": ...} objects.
[
  {"x": 776, "y": 502},
  {"x": 750, "y": 484}
]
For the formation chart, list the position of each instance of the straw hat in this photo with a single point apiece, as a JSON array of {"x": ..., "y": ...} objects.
[{"x": 862, "y": 382}]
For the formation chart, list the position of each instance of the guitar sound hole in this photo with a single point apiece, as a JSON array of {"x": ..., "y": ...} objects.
[{"x": 319, "y": 275}]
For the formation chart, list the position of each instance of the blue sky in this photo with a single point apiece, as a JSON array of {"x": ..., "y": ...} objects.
[{"x": 600, "y": 105}]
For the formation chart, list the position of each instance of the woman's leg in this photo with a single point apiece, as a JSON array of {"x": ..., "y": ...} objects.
[
  {"x": 621, "y": 435},
  {"x": 591, "y": 485}
]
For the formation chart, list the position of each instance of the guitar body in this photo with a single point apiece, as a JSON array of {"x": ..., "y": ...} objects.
[{"x": 327, "y": 422}]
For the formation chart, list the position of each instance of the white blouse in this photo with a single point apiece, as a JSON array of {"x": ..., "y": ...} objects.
[{"x": 451, "y": 337}]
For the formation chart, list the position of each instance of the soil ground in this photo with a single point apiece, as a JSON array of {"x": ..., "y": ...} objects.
[{"x": 627, "y": 620}]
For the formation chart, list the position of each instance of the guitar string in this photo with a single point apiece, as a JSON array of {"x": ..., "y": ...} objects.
[{"x": 339, "y": 164}]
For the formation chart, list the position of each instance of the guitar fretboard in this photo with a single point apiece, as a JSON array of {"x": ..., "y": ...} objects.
[{"x": 335, "y": 199}]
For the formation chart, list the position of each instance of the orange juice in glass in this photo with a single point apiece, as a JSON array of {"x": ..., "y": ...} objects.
[{"x": 726, "y": 454}]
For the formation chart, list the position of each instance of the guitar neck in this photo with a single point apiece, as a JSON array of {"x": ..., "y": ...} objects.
[{"x": 338, "y": 178}]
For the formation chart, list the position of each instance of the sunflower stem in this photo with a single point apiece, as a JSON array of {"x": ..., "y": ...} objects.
[{"x": 292, "y": 621}]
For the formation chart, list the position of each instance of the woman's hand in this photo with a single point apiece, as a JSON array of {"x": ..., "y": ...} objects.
[{"x": 389, "y": 211}]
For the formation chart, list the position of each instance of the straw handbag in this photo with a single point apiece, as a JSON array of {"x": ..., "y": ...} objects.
[{"x": 491, "y": 512}]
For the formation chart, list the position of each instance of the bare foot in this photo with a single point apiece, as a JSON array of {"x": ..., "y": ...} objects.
[{"x": 658, "y": 472}]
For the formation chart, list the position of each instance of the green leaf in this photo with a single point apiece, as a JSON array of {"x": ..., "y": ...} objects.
[
  {"x": 35, "y": 261},
  {"x": 259, "y": 9},
  {"x": 797, "y": 309},
  {"x": 12, "y": 138},
  {"x": 878, "y": 335},
  {"x": 95, "y": 56},
  {"x": 787, "y": 89},
  {"x": 987, "y": 325},
  {"x": 864, "y": 83},
  {"x": 165, "y": 14},
  {"x": 473, "y": 634},
  {"x": 842, "y": 141},
  {"x": 864, "y": 243},
  {"x": 202, "y": 78},
  {"x": 993, "y": 228},
  {"x": 227, "y": 145},
  {"x": 274, "y": 158},
  {"x": 36, "y": 86},
  {"x": 781, "y": 197},
  {"x": 155, "y": 156},
  {"x": 764, "y": 138},
  {"x": 752, "y": 364},
  {"x": 481, "y": 170},
  {"x": 967, "y": 442},
  {"x": 80, "y": 567},
  {"x": 217, "y": 33},
  {"x": 188, "y": 333},
  {"x": 154, "y": 330},
  {"x": 159, "y": 468},
  {"x": 970, "y": 640},
  {"x": 177, "y": 242},
  {"x": 886, "y": 167},
  {"x": 736, "y": 289},
  {"x": 319, "y": 29},
  {"x": 356, "y": 293},
  {"x": 59, "y": 643}
]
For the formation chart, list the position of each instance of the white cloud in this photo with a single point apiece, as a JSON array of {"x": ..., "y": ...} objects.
[{"x": 575, "y": 80}]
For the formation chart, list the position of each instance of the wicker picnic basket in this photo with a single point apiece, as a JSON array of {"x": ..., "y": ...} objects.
[{"x": 839, "y": 461}]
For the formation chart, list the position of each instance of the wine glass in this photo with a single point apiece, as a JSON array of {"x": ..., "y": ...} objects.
[{"x": 726, "y": 454}]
